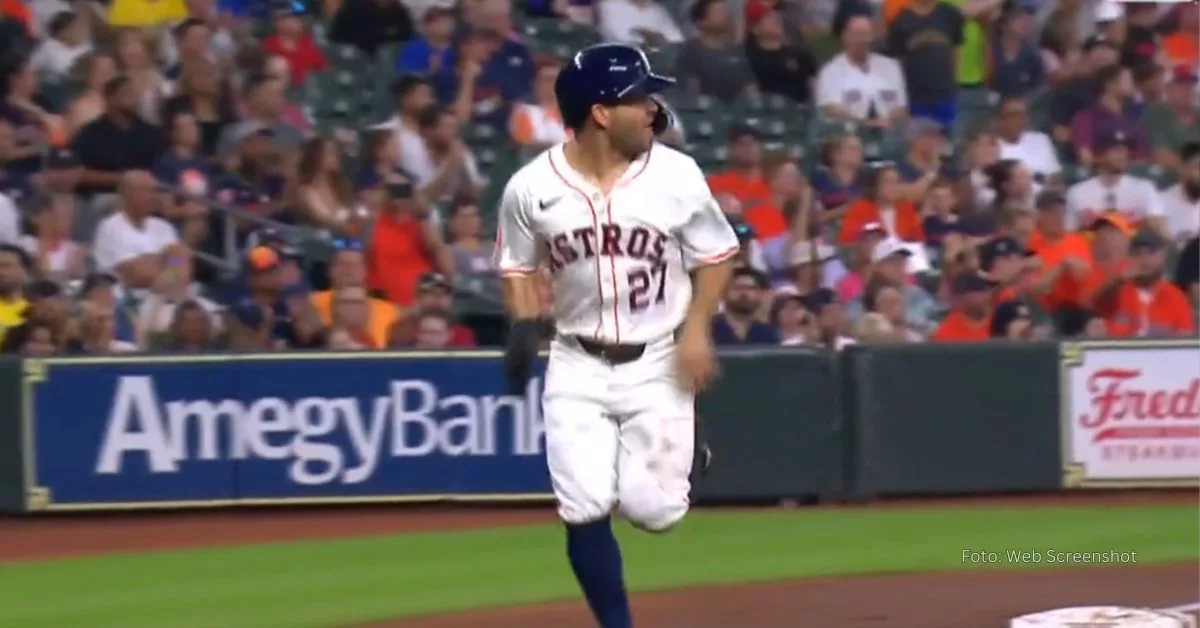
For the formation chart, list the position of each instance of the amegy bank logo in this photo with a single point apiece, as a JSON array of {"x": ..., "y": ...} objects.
[{"x": 326, "y": 439}]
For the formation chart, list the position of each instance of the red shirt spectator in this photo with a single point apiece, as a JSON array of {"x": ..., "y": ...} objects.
[
  {"x": 293, "y": 43},
  {"x": 882, "y": 204},
  {"x": 744, "y": 179},
  {"x": 400, "y": 252}
]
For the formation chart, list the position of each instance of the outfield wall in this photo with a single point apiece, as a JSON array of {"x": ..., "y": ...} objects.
[{"x": 292, "y": 428}]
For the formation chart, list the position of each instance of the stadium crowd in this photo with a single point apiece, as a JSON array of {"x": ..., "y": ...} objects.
[{"x": 160, "y": 158}]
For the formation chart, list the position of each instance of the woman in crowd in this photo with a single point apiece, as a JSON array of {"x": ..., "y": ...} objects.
[
  {"x": 55, "y": 255},
  {"x": 92, "y": 71},
  {"x": 379, "y": 166},
  {"x": 983, "y": 151},
  {"x": 841, "y": 176},
  {"x": 191, "y": 329},
  {"x": 325, "y": 197},
  {"x": 134, "y": 60},
  {"x": 33, "y": 128},
  {"x": 472, "y": 253},
  {"x": 881, "y": 203},
  {"x": 885, "y": 302},
  {"x": 202, "y": 92},
  {"x": 538, "y": 124}
]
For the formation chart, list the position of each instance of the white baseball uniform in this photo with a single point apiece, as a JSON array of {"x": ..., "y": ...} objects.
[{"x": 617, "y": 436}]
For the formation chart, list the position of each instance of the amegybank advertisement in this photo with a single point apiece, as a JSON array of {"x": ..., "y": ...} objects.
[
  {"x": 1131, "y": 413},
  {"x": 291, "y": 429}
]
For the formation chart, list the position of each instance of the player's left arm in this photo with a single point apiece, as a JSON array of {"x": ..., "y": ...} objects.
[
  {"x": 709, "y": 242},
  {"x": 517, "y": 257}
]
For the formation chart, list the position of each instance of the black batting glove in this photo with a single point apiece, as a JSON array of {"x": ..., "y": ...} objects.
[{"x": 524, "y": 337}]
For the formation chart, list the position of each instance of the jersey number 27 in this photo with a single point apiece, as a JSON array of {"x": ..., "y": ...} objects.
[{"x": 641, "y": 281}]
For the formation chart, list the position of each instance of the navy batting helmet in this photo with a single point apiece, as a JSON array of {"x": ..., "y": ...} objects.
[{"x": 607, "y": 74}]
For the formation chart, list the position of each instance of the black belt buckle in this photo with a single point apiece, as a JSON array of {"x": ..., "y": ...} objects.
[{"x": 613, "y": 354}]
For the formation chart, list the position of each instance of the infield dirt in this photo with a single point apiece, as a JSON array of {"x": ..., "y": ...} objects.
[{"x": 982, "y": 599}]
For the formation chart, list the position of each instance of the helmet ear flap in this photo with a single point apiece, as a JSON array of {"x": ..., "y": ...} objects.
[{"x": 663, "y": 119}]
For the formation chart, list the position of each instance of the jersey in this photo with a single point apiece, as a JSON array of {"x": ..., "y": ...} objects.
[
  {"x": 619, "y": 264},
  {"x": 1135, "y": 198}
]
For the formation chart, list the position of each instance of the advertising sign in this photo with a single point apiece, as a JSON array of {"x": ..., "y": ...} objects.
[
  {"x": 1131, "y": 414},
  {"x": 294, "y": 428}
]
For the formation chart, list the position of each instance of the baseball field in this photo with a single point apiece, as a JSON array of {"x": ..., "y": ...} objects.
[{"x": 946, "y": 564}]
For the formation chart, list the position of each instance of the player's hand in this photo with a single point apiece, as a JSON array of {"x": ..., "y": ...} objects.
[
  {"x": 695, "y": 360},
  {"x": 524, "y": 337}
]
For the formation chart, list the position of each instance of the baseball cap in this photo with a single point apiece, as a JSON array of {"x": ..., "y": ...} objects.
[
  {"x": 61, "y": 159},
  {"x": 1147, "y": 240},
  {"x": 808, "y": 252},
  {"x": 1004, "y": 315},
  {"x": 756, "y": 10},
  {"x": 43, "y": 289},
  {"x": 97, "y": 280},
  {"x": 741, "y": 131},
  {"x": 1049, "y": 199},
  {"x": 996, "y": 248},
  {"x": 430, "y": 281},
  {"x": 248, "y": 313},
  {"x": 820, "y": 298},
  {"x": 1183, "y": 73},
  {"x": 1113, "y": 219},
  {"x": 887, "y": 248},
  {"x": 262, "y": 258},
  {"x": 918, "y": 127},
  {"x": 1109, "y": 11},
  {"x": 871, "y": 228},
  {"x": 1113, "y": 139},
  {"x": 969, "y": 282},
  {"x": 274, "y": 239},
  {"x": 741, "y": 228}
]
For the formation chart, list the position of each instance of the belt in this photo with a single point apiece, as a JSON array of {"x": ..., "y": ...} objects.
[{"x": 612, "y": 353}]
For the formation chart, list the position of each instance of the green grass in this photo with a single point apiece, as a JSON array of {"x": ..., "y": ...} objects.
[{"x": 329, "y": 583}]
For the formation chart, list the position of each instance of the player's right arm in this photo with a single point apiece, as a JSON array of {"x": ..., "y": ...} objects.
[
  {"x": 517, "y": 255},
  {"x": 517, "y": 259}
]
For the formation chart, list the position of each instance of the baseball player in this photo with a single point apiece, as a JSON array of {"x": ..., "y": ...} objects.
[{"x": 639, "y": 254}]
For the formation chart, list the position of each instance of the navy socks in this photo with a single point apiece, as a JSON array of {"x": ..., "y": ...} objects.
[{"x": 596, "y": 560}]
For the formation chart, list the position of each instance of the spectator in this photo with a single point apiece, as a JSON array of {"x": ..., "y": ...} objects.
[
  {"x": 434, "y": 293},
  {"x": 882, "y": 203},
  {"x": 413, "y": 94},
  {"x": 1109, "y": 263},
  {"x": 829, "y": 313},
  {"x": 13, "y": 306},
  {"x": 943, "y": 219},
  {"x": 794, "y": 323},
  {"x": 292, "y": 41},
  {"x": 33, "y": 128},
  {"x": 883, "y": 304},
  {"x": 147, "y": 81},
  {"x": 472, "y": 253},
  {"x": 490, "y": 72},
  {"x": 404, "y": 246},
  {"x": 1002, "y": 263},
  {"x": 265, "y": 104},
  {"x": 737, "y": 323},
  {"x": 841, "y": 176},
  {"x": 749, "y": 253},
  {"x": 379, "y": 167},
  {"x": 192, "y": 38},
  {"x": 325, "y": 197},
  {"x": 889, "y": 264},
  {"x": 714, "y": 63},
  {"x": 1065, "y": 256},
  {"x": 250, "y": 327},
  {"x": 132, "y": 243},
  {"x": 1017, "y": 142},
  {"x": 925, "y": 37},
  {"x": 249, "y": 179},
  {"x": 157, "y": 312},
  {"x": 1016, "y": 63},
  {"x": 269, "y": 303},
  {"x": 1141, "y": 43},
  {"x": 188, "y": 176},
  {"x": 10, "y": 219},
  {"x": 97, "y": 332},
  {"x": 1010, "y": 181},
  {"x": 806, "y": 266},
  {"x": 780, "y": 66},
  {"x": 1061, "y": 40},
  {"x": 52, "y": 251},
  {"x": 1182, "y": 45},
  {"x": 851, "y": 286},
  {"x": 191, "y": 329},
  {"x": 923, "y": 163},
  {"x": 220, "y": 36},
  {"x": 981, "y": 154},
  {"x": 347, "y": 270},
  {"x": 1175, "y": 121},
  {"x": 38, "y": 342},
  {"x": 1108, "y": 117},
  {"x": 145, "y": 14},
  {"x": 744, "y": 177},
  {"x": 58, "y": 53},
  {"x": 1079, "y": 323},
  {"x": 538, "y": 124},
  {"x": 426, "y": 53},
  {"x": 1011, "y": 320},
  {"x": 117, "y": 142},
  {"x": 451, "y": 169},
  {"x": 350, "y": 315},
  {"x": 1147, "y": 304},
  {"x": 639, "y": 22},
  {"x": 1113, "y": 189},
  {"x": 789, "y": 191},
  {"x": 970, "y": 317},
  {"x": 433, "y": 331},
  {"x": 859, "y": 84},
  {"x": 1181, "y": 202},
  {"x": 371, "y": 24},
  {"x": 1081, "y": 91},
  {"x": 92, "y": 72},
  {"x": 1149, "y": 84}
]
